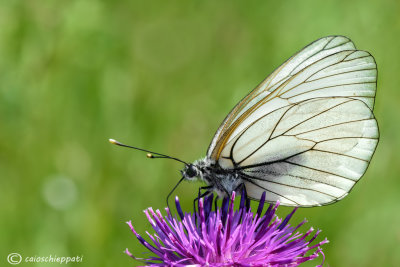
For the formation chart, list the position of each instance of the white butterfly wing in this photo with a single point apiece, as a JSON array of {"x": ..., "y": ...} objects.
[
  {"x": 305, "y": 154},
  {"x": 306, "y": 134},
  {"x": 327, "y": 67}
]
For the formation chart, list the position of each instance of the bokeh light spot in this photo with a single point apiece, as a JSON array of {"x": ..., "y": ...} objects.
[{"x": 59, "y": 192}]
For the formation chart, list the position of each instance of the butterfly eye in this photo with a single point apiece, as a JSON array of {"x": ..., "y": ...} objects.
[{"x": 190, "y": 171}]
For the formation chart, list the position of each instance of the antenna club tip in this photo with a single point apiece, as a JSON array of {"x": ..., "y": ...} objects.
[
  {"x": 113, "y": 141},
  {"x": 149, "y": 155}
]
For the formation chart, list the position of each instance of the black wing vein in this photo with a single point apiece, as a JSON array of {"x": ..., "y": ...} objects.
[{"x": 292, "y": 186}]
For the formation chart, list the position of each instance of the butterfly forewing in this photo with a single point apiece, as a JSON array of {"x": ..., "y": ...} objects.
[
  {"x": 328, "y": 67},
  {"x": 306, "y": 134}
]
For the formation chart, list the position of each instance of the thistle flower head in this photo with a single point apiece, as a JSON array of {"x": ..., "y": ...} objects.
[{"x": 227, "y": 237}]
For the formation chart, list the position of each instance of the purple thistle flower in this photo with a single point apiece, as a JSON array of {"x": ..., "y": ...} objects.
[{"x": 224, "y": 237}]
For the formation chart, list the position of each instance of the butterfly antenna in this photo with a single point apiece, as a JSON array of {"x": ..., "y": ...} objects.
[{"x": 150, "y": 154}]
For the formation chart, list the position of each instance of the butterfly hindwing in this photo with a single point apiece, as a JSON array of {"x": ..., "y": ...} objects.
[{"x": 305, "y": 154}]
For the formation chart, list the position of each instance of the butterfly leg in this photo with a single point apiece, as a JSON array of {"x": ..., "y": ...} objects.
[
  {"x": 216, "y": 203},
  {"x": 200, "y": 195},
  {"x": 242, "y": 188}
]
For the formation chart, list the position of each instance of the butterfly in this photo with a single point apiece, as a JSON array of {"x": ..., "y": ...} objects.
[{"x": 305, "y": 135}]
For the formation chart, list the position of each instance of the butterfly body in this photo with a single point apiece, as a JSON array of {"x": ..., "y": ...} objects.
[{"x": 222, "y": 181}]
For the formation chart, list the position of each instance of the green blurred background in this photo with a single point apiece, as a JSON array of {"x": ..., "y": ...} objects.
[{"x": 162, "y": 75}]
